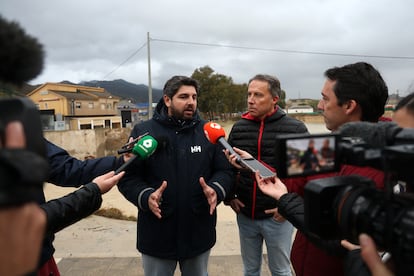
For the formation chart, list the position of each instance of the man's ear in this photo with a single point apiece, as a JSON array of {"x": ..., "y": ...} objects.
[
  {"x": 167, "y": 100},
  {"x": 351, "y": 107}
]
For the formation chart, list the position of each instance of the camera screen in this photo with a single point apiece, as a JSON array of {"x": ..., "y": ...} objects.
[{"x": 301, "y": 155}]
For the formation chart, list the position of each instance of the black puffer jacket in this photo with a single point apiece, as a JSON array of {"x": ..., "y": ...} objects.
[
  {"x": 186, "y": 228},
  {"x": 71, "y": 208},
  {"x": 258, "y": 138}
]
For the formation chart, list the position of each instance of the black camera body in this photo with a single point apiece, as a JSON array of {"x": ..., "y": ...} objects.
[
  {"x": 342, "y": 207},
  {"x": 24, "y": 170}
]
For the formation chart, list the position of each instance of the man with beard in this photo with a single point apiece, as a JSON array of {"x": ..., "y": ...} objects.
[{"x": 177, "y": 188}]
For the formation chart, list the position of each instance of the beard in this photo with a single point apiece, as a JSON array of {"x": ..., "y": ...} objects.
[{"x": 185, "y": 114}]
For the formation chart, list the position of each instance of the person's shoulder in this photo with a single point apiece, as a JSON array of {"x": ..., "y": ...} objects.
[{"x": 294, "y": 124}]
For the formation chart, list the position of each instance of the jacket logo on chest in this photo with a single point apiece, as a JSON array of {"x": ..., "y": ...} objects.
[{"x": 195, "y": 149}]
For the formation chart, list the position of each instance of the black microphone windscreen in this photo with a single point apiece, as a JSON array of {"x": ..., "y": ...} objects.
[
  {"x": 21, "y": 56},
  {"x": 376, "y": 135}
]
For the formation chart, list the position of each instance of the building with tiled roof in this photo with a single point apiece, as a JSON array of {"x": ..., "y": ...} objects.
[{"x": 66, "y": 106}]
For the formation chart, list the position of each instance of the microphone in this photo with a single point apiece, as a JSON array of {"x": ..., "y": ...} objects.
[
  {"x": 144, "y": 148},
  {"x": 129, "y": 146},
  {"x": 376, "y": 135},
  {"x": 215, "y": 134}
]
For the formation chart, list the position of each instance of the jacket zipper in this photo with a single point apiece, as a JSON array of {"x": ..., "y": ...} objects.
[{"x": 259, "y": 145}]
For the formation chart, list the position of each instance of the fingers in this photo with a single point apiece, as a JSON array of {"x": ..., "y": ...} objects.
[
  {"x": 154, "y": 201},
  {"x": 14, "y": 136},
  {"x": 106, "y": 181},
  {"x": 350, "y": 246},
  {"x": 370, "y": 256},
  {"x": 162, "y": 188}
]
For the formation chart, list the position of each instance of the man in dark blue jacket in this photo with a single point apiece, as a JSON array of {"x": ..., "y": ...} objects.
[
  {"x": 68, "y": 171},
  {"x": 177, "y": 188}
]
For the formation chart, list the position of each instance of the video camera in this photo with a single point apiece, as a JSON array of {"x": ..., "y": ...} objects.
[
  {"x": 342, "y": 207},
  {"x": 22, "y": 171}
]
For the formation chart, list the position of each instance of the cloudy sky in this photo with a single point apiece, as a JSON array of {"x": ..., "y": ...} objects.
[{"x": 293, "y": 40}]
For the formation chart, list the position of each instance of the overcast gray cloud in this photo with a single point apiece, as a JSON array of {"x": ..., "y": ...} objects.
[{"x": 89, "y": 40}]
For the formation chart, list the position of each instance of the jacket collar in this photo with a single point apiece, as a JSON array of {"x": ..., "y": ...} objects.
[{"x": 275, "y": 115}]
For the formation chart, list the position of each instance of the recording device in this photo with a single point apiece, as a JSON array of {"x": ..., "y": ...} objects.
[
  {"x": 144, "y": 148},
  {"x": 215, "y": 134},
  {"x": 357, "y": 143},
  {"x": 342, "y": 207},
  {"x": 22, "y": 171},
  {"x": 304, "y": 154},
  {"x": 128, "y": 147}
]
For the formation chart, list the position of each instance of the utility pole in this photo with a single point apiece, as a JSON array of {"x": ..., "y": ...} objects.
[{"x": 149, "y": 77}]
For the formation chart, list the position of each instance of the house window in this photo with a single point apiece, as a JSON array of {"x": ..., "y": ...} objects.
[
  {"x": 102, "y": 106},
  {"x": 108, "y": 106},
  {"x": 90, "y": 104},
  {"x": 78, "y": 105}
]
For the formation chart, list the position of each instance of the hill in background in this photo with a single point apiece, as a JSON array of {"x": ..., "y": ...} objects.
[{"x": 137, "y": 93}]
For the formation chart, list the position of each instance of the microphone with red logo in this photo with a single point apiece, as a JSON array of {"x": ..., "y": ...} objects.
[{"x": 215, "y": 134}]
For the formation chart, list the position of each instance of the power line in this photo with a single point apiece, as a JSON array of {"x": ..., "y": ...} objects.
[
  {"x": 282, "y": 50},
  {"x": 126, "y": 60},
  {"x": 255, "y": 49}
]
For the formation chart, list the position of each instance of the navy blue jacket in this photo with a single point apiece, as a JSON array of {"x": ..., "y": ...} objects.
[
  {"x": 186, "y": 228},
  {"x": 68, "y": 171}
]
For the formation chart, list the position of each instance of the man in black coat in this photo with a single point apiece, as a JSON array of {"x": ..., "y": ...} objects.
[{"x": 177, "y": 188}]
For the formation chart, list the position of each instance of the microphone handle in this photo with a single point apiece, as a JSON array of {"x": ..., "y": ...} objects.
[
  {"x": 126, "y": 164},
  {"x": 228, "y": 147}
]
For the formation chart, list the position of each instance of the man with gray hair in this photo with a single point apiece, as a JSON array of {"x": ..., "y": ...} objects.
[{"x": 257, "y": 215}]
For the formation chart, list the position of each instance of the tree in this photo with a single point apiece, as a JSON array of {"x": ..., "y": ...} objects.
[
  {"x": 282, "y": 99},
  {"x": 218, "y": 94}
]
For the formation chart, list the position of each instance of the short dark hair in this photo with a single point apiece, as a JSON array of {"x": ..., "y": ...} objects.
[
  {"x": 362, "y": 83},
  {"x": 406, "y": 102},
  {"x": 274, "y": 83},
  {"x": 173, "y": 85}
]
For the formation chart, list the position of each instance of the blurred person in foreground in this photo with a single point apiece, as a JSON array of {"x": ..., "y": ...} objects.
[
  {"x": 22, "y": 226},
  {"x": 21, "y": 59}
]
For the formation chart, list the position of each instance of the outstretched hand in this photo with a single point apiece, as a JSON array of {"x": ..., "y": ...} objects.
[
  {"x": 272, "y": 186},
  {"x": 106, "y": 181},
  {"x": 154, "y": 200},
  {"x": 232, "y": 158},
  {"x": 210, "y": 194}
]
